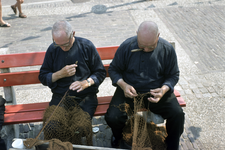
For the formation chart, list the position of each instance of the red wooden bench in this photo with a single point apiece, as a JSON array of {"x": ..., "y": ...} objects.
[{"x": 33, "y": 112}]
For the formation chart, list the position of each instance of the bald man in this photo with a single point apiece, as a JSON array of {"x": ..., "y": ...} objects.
[{"x": 146, "y": 63}]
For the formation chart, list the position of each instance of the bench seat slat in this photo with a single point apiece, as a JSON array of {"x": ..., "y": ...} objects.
[
  {"x": 181, "y": 101},
  {"x": 37, "y": 116},
  {"x": 43, "y": 105},
  {"x": 25, "y": 113}
]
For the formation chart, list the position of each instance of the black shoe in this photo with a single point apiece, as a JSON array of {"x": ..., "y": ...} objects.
[{"x": 115, "y": 142}]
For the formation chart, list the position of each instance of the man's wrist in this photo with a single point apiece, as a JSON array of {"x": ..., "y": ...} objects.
[
  {"x": 89, "y": 82},
  {"x": 165, "y": 89}
]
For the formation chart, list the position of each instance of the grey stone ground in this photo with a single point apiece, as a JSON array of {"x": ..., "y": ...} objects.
[{"x": 196, "y": 26}]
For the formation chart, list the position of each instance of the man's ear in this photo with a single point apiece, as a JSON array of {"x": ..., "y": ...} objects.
[{"x": 73, "y": 33}]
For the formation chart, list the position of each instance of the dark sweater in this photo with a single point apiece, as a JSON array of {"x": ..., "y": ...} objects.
[
  {"x": 145, "y": 70},
  {"x": 89, "y": 65}
]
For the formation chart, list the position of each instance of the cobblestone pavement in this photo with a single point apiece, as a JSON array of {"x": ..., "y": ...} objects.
[{"x": 196, "y": 26}]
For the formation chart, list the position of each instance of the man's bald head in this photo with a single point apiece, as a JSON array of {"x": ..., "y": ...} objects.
[
  {"x": 148, "y": 35},
  {"x": 148, "y": 27}
]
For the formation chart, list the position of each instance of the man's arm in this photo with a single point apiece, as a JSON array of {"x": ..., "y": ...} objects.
[
  {"x": 171, "y": 77},
  {"x": 171, "y": 72},
  {"x": 96, "y": 68}
]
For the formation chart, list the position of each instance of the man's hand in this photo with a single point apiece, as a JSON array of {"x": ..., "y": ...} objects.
[
  {"x": 129, "y": 90},
  {"x": 158, "y": 93},
  {"x": 79, "y": 85},
  {"x": 68, "y": 70}
]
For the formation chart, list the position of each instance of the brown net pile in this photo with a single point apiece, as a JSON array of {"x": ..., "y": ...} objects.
[
  {"x": 64, "y": 125},
  {"x": 139, "y": 133}
]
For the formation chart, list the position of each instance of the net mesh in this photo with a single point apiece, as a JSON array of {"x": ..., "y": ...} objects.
[
  {"x": 138, "y": 132},
  {"x": 64, "y": 125}
]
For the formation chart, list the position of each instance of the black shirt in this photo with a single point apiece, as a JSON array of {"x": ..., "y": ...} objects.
[
  {"x": 89, "y": 65},
  {"x": 145, "y": 70}
]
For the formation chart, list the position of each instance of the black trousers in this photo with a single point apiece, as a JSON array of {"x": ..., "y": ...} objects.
[{"x": 168, "y": 107}]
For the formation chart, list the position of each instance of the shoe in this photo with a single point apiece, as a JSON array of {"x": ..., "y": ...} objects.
[
  {"x": 5, "y": 25},
  {"x": 14, "y": 9},
  {"x": 22, "y": 15},
  {"x": 115, "y": 142}
]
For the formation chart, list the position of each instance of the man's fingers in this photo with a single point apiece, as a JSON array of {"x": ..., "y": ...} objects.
[
  {"x": 80, "y": 89},
  {"x": 153, "y": 100},
  {"x": 74, "y": 86},
  {"x": 133, "y": 92}
]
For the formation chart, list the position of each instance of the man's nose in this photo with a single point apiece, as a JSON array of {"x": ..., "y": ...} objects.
[
  {"x": 63, "y": 48},
  {"x": 146, "y": 49}
]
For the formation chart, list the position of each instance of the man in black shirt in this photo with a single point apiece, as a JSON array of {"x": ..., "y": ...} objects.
[
  {"x": 146, "y": 63},
  {"x": 60, "y": 72}
]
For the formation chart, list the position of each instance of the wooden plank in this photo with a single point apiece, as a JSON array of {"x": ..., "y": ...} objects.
[
  {"x": 42, "y": 106},
  {"x": 176, "y": 93},
  {"x": 181, "y": 101},
  {"x": 21, "y": 59},
  {"x": 26, "y": 107},
  {"x": 37, "y": 116},
  {"x": 23, "y": 117},
  {"x": 107, "y": 68},
  {"x": 19, "y": 78},
  {"x": 24, "y": 77},
  {"x": 36, "y": 58},
  {"x": 107, "y": 52}
]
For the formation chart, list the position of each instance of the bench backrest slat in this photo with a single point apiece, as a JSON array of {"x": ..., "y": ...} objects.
[
  {"x": 107, "y": 52},
  {"x": 24, "y": 78},
  {"x": 36, "y": 58},
  {"x": 19, "y": 78},
  {"x": 21, "y": 59},
  {"x": 33, "y": 59}
]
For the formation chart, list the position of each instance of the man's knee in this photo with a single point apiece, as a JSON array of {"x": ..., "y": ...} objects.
[
  {"x": 180, "y": 114},
  {"x": 115, "y": 118},
  {"x": 110, "y": 118}
]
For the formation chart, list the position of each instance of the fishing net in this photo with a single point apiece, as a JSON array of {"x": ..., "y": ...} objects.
[
  {"x": 64, "y": 125},
  {"x": 138, "y": 132}
]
